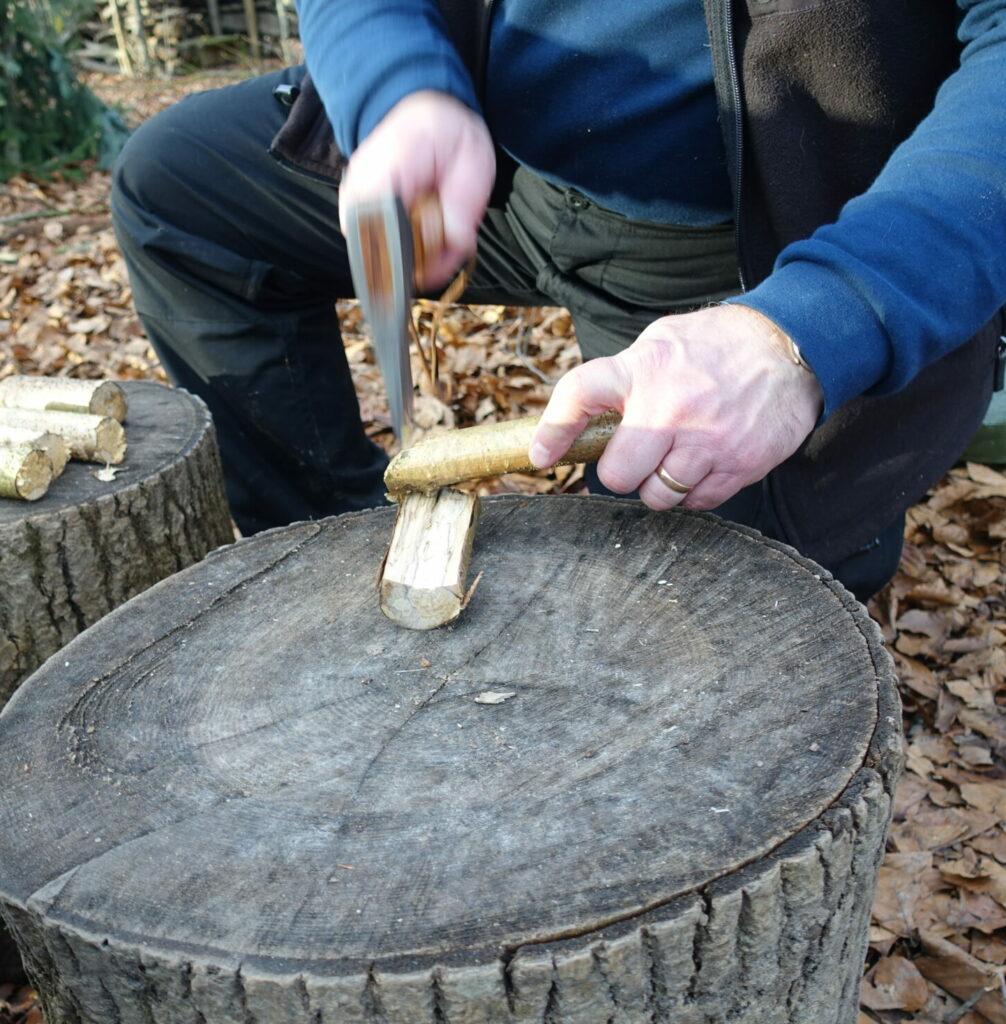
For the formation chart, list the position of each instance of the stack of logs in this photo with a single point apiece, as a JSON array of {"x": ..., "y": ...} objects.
[{"x": 44, "y": 421}]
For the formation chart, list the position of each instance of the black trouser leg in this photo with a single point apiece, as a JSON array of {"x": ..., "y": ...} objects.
[{"x": 236, "y": 264}]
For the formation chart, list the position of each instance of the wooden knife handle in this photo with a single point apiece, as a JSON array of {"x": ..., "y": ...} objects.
[{"x": 427, "y": 220}]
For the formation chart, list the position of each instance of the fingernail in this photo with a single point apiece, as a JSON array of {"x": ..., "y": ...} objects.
[{"x": 539, "y": 456}]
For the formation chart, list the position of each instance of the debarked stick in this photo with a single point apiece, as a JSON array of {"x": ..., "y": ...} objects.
[
  {"x": 490, "y": 449},
  {"x": 64, "y": 394},
  {"x": 90, "y": 438},
  {"x": 52, "y": 444}
]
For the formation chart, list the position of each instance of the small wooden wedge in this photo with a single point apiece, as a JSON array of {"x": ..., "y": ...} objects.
[{"x": 423, "y": 580}]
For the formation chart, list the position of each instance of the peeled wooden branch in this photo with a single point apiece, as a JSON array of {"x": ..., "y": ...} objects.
[
  {"x": 52, "y": 444},
  {"x": 25, "y": 471},
  {"x": 487, "y": 450},
  {"x": 422, "y": 583},
  {"x": 90, "y": 438},
  {"x": 65, "y": 394}
]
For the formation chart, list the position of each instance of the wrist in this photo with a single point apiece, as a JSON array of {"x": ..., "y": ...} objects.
[{"x": 787, "y": 350}]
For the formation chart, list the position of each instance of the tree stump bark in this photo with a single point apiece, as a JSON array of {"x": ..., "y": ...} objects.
[
  {"x": 248, "y": 797},
  {"x": 89, "y": 545}
]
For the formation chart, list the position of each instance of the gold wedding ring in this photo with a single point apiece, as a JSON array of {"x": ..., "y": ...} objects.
[{"x": 668, "y": 481}]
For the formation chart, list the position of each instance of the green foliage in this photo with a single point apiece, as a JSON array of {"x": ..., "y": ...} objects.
[{"x": 49, "y": 120}]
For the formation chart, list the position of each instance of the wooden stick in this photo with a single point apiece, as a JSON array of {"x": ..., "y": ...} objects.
[
  {"x": 52, "y": 444},
  {"x": 90, "y": 438},
  {"x": 215, "y": 27},
  {"x": 25, "y": 472},
  {"x": 487, "y": 450},
  {"x": 140, "y": 34},
  {"x": 66, "y": 394},
  {"x": 121, "y": 47},
  {"x": 251, "y": 23},
  {"x": 284, "y": 32},
  {"x": 422, "y": 581}
]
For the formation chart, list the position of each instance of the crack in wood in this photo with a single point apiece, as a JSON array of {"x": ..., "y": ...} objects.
[
  {"x": 69, "y": 584},
  {"x": 657, "y": 1002},
  {"x": 371, "y": 997},
  {"x": 553, "y": 1002},
  {"x": 438, "y": 997}
]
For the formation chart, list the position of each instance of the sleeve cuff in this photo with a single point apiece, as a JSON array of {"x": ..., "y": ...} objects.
[{"x": 836, "y": 330}]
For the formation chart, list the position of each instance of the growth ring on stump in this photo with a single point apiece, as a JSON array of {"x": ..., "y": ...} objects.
[
  {"x": 248, "y": 797},
  {"x": 89, "y": 545}
]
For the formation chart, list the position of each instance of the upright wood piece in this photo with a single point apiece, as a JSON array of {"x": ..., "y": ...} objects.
[
  {"x": 423, "y": 582},
  {"x": 246, "y": 797}
]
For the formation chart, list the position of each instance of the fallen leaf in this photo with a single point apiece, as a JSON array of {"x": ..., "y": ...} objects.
[
  {"x": 986, "y": 796},
  {"x": 895, "y": 984},
  {"x": 905, "y": 882},
  {"x": 962, "y": 975}
]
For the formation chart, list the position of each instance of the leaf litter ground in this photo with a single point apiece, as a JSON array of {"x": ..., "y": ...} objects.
[{"x": 938, "y": 935}]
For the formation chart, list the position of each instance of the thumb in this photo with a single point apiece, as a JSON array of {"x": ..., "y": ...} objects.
[{"x": 586, "y": 391}]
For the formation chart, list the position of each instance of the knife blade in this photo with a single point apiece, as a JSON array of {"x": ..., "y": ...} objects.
[{"x": 382, "y": 264}]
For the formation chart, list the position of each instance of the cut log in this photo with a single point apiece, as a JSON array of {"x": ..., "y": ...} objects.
[
  {"x": 246, "y": 796},
  {"x": 52, "y": 444},
  {"x": 423, "y": 580},
  {"x": 65, "y": 394},
  {"x": 89, "y": 438},
  {"x": 25, "y": 471}
]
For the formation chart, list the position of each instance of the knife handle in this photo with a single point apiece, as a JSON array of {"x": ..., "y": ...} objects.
[{"x": 427, "y": 221}]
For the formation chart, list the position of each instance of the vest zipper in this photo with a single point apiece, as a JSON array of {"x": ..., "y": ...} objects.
[{"x": 738, "y": 131}]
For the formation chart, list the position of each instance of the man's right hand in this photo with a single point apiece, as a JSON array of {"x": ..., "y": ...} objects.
[{"x": 429, "y": 142}]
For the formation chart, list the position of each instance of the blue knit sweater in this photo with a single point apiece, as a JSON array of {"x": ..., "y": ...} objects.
[{"x": 908, "y": 271}]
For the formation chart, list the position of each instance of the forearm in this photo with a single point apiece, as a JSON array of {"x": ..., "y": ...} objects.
[
  {"x": 366, "y": 55},
  {"x": 915, "y": 265}
]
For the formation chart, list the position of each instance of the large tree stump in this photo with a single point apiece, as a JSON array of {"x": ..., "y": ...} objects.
[
  {"x": 248, "y": 797},
  {"x": 89, "y": 544}
]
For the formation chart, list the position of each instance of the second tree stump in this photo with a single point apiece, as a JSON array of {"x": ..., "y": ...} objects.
[{"x": 89, "y": 545}]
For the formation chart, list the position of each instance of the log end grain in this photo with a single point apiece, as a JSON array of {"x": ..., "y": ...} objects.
[
  {"x": 109, "y": 442},
  {"x": 109, "y": 400},
  {"x": 25, "y": 472}
]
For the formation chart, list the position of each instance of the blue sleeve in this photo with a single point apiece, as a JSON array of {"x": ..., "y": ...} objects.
[
  {"x": 366, "y": 55},
  {"x": 913, "y": 267}
]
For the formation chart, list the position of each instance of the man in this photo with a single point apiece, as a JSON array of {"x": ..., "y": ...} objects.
[{"x": 855, "y": 199}]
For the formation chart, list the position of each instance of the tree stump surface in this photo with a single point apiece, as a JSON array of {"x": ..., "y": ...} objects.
[
  {"x": 248, "y": 797},
  {"x": 89, "y": 545}
]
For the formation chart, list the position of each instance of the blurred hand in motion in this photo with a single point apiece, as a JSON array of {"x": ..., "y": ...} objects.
[
  {"x": 429, "y": 143},
  {"x": 713, "y": 400}
]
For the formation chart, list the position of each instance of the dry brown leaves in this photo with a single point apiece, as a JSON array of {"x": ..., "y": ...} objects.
[
  {"x": 938, "y": 940},
  {"x": 939, "y": 920},
  {"x": 19, "y": 1006}
]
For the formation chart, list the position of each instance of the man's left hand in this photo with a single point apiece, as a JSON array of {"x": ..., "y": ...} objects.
[{"x": 713, "y": 400}]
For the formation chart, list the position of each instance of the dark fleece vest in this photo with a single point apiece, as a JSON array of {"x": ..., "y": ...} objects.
[{"x": 814, "y": 96}]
